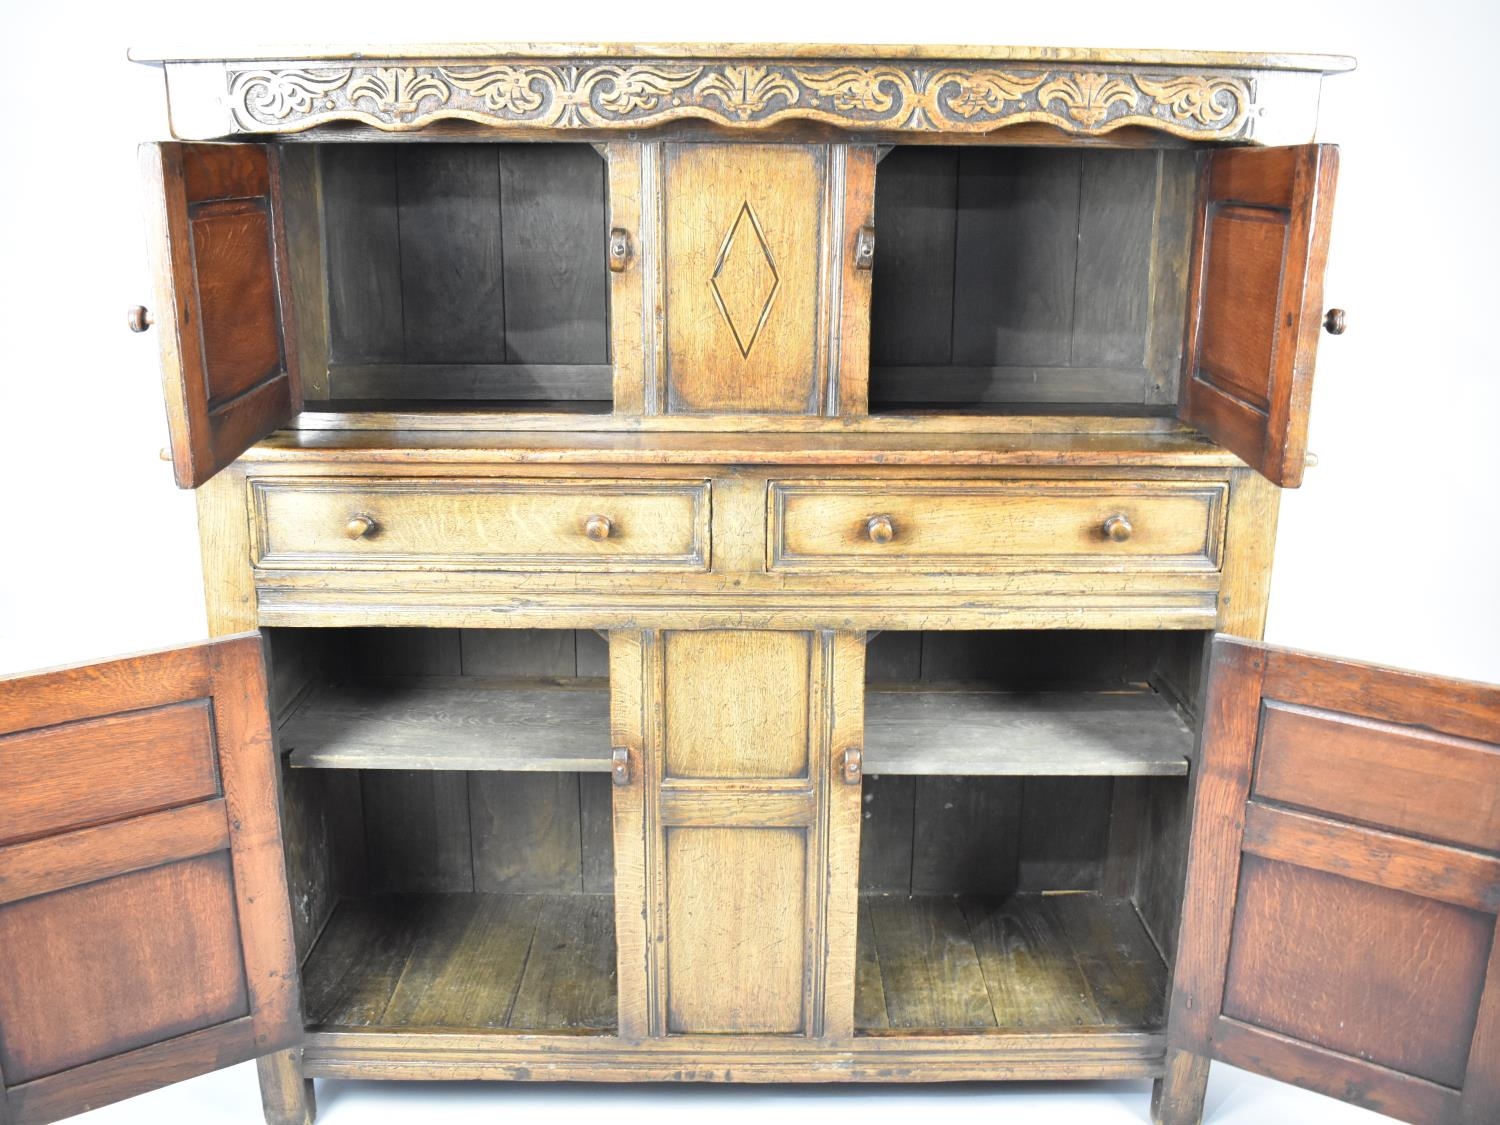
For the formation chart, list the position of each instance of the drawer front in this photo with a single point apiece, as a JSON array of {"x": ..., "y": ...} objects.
[
  {"x": 482, "y": 524},
  {"x": 959, "y": 526}
]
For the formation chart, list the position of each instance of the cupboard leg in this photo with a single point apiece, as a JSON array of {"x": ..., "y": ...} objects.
[
  {"x": 1177, "y": 1096},
  {"x": 285, "y": 1095}
]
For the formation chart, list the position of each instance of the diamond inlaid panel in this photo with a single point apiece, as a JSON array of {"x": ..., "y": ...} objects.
[
  {"x": 744, "y": 231},
  {"x": 745, "y": 279}
]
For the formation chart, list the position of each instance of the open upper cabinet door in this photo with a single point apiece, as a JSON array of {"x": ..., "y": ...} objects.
[
  {"x": 144, "y": 917},
  {"x": 222, "y": 293},
  {"x": 1255, "y": 301},
  {"x": 1343, "y": 879}
]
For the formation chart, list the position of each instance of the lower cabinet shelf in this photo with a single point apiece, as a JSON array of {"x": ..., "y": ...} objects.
[
  {"x": 1026, "y": 962},
  {"x": 474, "y": 723},
  {"x": 451, "y": 723},
  {"x": 465, "y": 961}
]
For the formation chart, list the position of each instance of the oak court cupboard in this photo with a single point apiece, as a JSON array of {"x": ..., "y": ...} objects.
[{"x": 744, "y": 564}]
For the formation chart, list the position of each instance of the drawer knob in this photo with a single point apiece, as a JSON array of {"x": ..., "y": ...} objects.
[
  {"x": 359, "y": 527},
  {"x": 598, "y": 527},
  {"x": 138, "y": 319},
  {"x": 1335, "y": 322},
  {"x": 1117, "y": 528},
  {"x": 880, "y": 529}
]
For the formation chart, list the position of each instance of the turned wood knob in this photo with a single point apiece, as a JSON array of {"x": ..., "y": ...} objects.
[
  {"x": 359, "y": 527},
  {"x": 598, "y": 527},
  {"x": 1335, "y": 321},
  {"x": 138, "y": 319},
  {"x": 880, "y": 529},
  {"x": 1117, "y": 528}
]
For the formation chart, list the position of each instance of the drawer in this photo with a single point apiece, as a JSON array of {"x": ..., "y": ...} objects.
[
  {"x": 979, "y": 526},
  {"x": 1406, "y": 779},
  {"x": 605, "y": 525}
]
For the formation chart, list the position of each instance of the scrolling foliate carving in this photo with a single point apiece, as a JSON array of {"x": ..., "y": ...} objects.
[
  {"x": 398, "y": 91},
  {"x": 1207, "y": 101},
  {"x": 970, "y": 93},
  {"x": 1087, "y": 97},
  {"x": 748, "y": 91},
  {"x": 878, "y": 96}
]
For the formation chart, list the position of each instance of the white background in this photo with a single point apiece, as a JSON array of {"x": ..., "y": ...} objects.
[{"x": 1388, "y": 553}]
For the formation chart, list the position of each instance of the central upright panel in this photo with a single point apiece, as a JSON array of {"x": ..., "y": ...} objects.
[
  {"x": 758, "y": 269},
  {"x": 746, "y": 802}
]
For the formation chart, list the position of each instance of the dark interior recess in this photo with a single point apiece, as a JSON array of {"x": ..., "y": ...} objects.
[
  {"x": 479, "y": 899},
  {"x": 1038, "y": 901},
  {"x": 1029, "y": 279},
  {"x": 464, "y": 276}
]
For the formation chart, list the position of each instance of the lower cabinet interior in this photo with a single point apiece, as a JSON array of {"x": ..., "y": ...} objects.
[
  {"x": 447, "y": 809},
  {"x": 448, "y": 816},
  {"x": 1023, "y": 830}
]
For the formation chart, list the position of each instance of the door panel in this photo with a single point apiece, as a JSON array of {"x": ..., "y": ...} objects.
[
  {"x": 223, "y": 303},
  {"x": 737, "y": 830},
  {"x": 1412, "y": 1006},
  {"x": 765, "y": 310},
  {"x": 143, "y": 900},
  {"x": 1256, "y": 299},
  {"x": 768, "y": 735},
  {"x": 1333, "y": 933},
  {"x": 736, "y": 929}
]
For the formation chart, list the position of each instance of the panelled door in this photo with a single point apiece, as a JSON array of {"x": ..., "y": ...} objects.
[
  {"x": 145, "y": 929},
  {"x": 1255, "y": 301},
  {"x": 223, "y": 300},
  {"x": 737, "y": 825},
  {"x": 754, "y": 275},
  {"x": 1343, "y": 882}
]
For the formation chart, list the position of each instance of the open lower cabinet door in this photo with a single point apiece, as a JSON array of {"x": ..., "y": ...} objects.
[
  {"x": 1255, "y": 301},
  {"x": 222, "y": 294},
  {"x": 1343, "y": 880},
  {"x": 144, "y": 920}
]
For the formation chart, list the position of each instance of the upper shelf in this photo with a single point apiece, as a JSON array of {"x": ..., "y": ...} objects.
[{"x": 881, "y": 92}]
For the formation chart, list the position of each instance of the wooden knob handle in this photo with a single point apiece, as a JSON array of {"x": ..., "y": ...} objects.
[
  {"x": 1335, "y": 321},
  {"x": 359, "y": 527},
  {"x": 138, "y": 319},
  {"x": 598, "y": 527},
  {"x": 1117, "y": 528},
  {"x": 880, "y": 529},
  {"x": 854, "y": 765}
]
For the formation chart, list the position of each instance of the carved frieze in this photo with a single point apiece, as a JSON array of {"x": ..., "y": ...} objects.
[{"x": 881, "y": 96}]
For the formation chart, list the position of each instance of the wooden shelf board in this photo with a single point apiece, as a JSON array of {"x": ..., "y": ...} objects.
[
  {"x": 1030, "y": 962},
  {"x": 523, "y": 962},
  {"x": 966, "y": 732},
  {"x": 452, "y": 723}
]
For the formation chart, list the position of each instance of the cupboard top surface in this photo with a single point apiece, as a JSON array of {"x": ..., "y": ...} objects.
[{"x": 1271, "y": 60}]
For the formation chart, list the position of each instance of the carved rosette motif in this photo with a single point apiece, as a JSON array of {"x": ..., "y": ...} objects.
[{"x": 885, "y": 96}]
